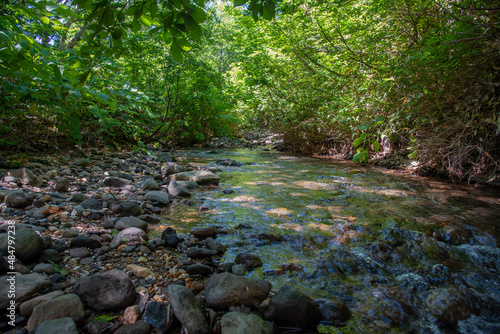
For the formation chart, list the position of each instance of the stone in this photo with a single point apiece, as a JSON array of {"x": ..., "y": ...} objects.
[
  {"x": 453, "y": 235},
  {"x": 187, "y": 309},
  {"x": 138, "y": 327},
  {"x": 132, "y": 234},
  {"x": 131, "y": 314},
  {"x": 27, "y": 307},
  {"x": 28, "y": 244},
  {"x": 77, "y": 198},
  {"x": 169, "y": 235},
  {"x": 50, "y": 255},
  {"x": 228, "y": 162},
  {"x": 243, "y": 323},
  {"x": 198, "y": 269},
  {"x": 157, "y": 196},
  {"x": 291, "y": 307},
  {"x": 18, "y": 200},
  {"x": 225, "y": 290},
  {"x": 92, "y": 204},
  {"x": 26, "y": 176},
  {"x": 239, "y": 269},
  {"x": 79, "y": 252},
  {"x": 215, "y": 245},
  {"x": 202, "y": 177},
  {"x": 108, "y": 291},
  {"x": 200, "y": 253},
  {"x": 61, "y": 325},
  {"x": 69, "y": 233},
  {"x": 204, "y": 232},
  {"x": 44, "y": 268},
  {"x": 139, "y": 271},
  {"x": 150, "y": 184},
  {"x": 26, "y": 286},
  {"x": 250, "y": 261},
  {"x": 82, "y": 241},
  {"x": 333, "y": 312},
  {"x": 126, "y": 208},
  {"x": 62, "y": 185},
  {"x": 159, "y": 315},
  {"x": 169, "y": 168},
  {"x": 451, "y": 305},
  {"x": 60, "y": 307},
  {"x": 127, "y": 222},
  {"x": 175, "y": 189},
  {"x": 82, "y": 162},
  {"x": 116, "y": 182}
]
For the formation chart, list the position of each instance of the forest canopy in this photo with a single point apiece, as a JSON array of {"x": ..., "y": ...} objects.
[{"x": 356, "y": 79}]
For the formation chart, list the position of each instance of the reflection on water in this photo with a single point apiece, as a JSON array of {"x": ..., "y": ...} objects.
[{"x": 382, "y": 242}]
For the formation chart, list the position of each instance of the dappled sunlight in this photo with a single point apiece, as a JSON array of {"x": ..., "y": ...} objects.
[
  {"x": 312, "y": 185},
  {"x": 244, "y": 198},
  {"x": 280, "y": 211}
]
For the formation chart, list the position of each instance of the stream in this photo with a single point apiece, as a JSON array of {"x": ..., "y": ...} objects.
[{"x": 406, "y": 254}]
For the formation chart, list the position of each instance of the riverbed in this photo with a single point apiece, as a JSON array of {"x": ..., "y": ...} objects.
[{"x": 406, "y": 254}]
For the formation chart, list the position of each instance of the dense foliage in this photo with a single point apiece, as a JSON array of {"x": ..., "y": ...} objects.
[{"x": 353, "y": 78}]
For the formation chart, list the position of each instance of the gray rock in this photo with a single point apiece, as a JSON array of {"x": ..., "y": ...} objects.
[
  {"x": 132, "y": 234},
  {"x": 159, "y": 315},
  {"x": 126, "y": 208},
  {"x": 150, "y": 184},
  {"x": 291, "y": 307},
  {"x": 50, "y": 255},
  {"x": 60, "y": 307},
  {"x": 215, "y": 245},
  {"x": 169, "y": 168},
  {"x": 69, "y": 233},
  {"x": 92, "y": 204},
  {"x": 204, "y": 232},
  {"x": 26, "y": 286},
  {"x": 157, "y": 196},
  {"x": 82, "y": 162},
  {"x": 175, "y": 189},
  {"x": 200, "y": 253},
  {"x": 228, "y": 162},
  {"x": 201, "y": 177},
  {"x": 4, "y": 265},
  {"x": 454, "y": 235},
  {"x": 44, "y": 268},
  {"x": 62, "y": 325},
  {"x": 116, "y": 182},
  {"x": 27, "y": 307},
  {"x": 198, "y": 269},
  {"x": 250, "y": 261},
  {"x": 169, "y": 235},
  {"x": 127, "y": 222},
  {"x": 187, "y": 309},
  {"x": 333, "y": 312},
  {"x": 109, "y": 291},
  {"x": 26, "y": 176},
  {"x": 18, "y": 199},
  {"x": 36, "y": 213},
  {"x": 451, "y": 305},
  {"x": 225, "y": 290},
  {"x": 28, "y": 244},
  {"x": 242, "y": 323},
  {"x": 239, "y": 269},
  {"x": 138, "y": 327},
  {"x": 85, "y": 242},
  {"x": 79, "y": 252},
  {"x": 62, "y": 185},
  {"x": 78, "y": 198}
]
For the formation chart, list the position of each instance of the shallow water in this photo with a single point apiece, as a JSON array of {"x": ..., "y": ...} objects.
[{"x": 362, "y": 235}]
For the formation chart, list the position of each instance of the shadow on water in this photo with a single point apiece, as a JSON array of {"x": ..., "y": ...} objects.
[{"x": 406, "y": 254}]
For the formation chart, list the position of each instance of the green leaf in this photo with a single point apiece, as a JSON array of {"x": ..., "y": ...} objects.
[
  {"x": 364, "y": 127},
  {"x": 199, "y": 15},
  {"x": 379, "y": 119},
  {"x": 358, "y": 157},
  {"x": 192, "y": 26},
  {"x": 239, "y": 2},
  {"x": 357, "y": 142},
  {"x": 167, "y": 37},
  {"x": 146, "y": 20},
  {"x": 376, "y": 146},
  {"x": 45, "y": 20},
  {"x": 176, "y": 51}
]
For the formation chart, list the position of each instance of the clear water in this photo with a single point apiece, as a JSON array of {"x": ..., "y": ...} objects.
[{"x": 362, "y": 235}]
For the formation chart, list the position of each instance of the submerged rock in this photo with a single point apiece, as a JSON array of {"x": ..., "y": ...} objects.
[
  {"x": 243, "y": 323},
  {"x": 290, "y": 307}
]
